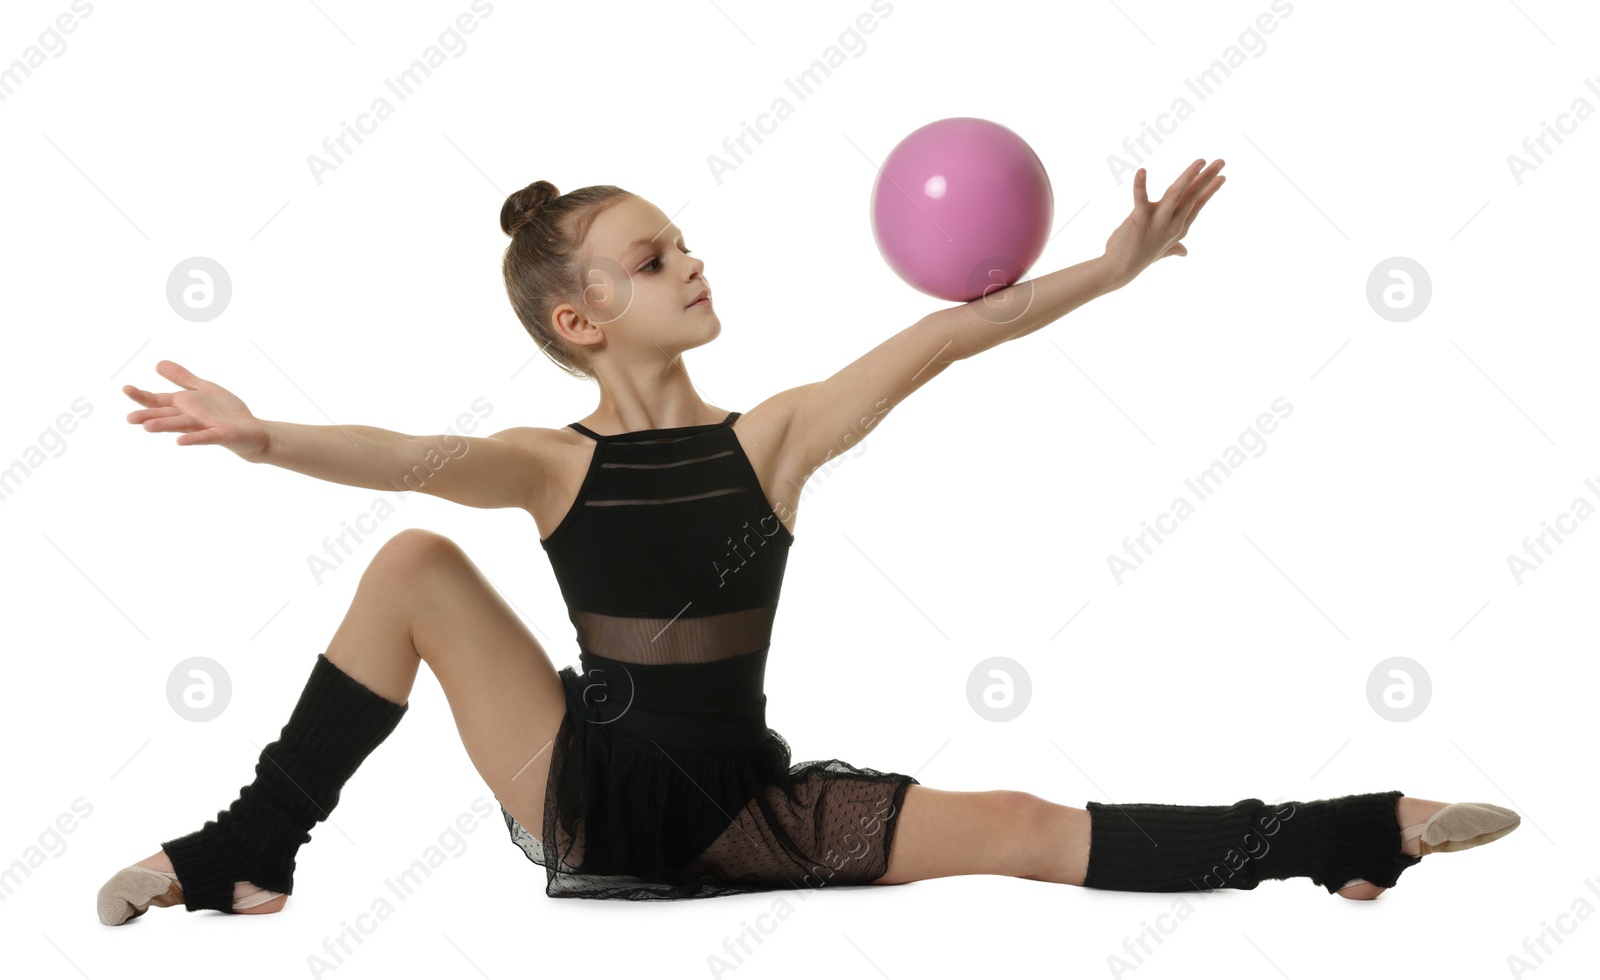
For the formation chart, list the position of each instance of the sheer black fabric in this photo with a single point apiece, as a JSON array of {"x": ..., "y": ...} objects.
[
  {"x": 700, "y": 639},
  {"x": 665, "y": 781}
]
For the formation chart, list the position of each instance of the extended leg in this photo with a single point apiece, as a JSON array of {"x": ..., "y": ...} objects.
[{"x": 944, "y": 833}]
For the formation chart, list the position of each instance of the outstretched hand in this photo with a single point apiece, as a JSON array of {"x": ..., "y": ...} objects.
[
  {"x": 207, "y": 414},
  {"x": 1155, "y": 231}
]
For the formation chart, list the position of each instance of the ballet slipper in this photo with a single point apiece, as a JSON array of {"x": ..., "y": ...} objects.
[
  {"x": 1457, "y": 827},
  {"x": 133, "y": 890}
]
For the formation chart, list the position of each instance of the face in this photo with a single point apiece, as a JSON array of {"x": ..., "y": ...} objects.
[{"x": 639, "y": 281}]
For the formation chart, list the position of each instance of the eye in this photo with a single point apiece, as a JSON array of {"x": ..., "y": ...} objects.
[{"x": 657, "y": 263}]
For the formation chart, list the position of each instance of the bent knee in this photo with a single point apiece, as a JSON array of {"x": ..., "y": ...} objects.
[{"x": 413, "y": 551}]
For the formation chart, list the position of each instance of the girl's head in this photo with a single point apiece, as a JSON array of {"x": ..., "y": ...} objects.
[{"x": 601, "y": 279}]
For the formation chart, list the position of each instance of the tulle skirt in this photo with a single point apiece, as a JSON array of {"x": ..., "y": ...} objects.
[{"x": 666, "y": 783}]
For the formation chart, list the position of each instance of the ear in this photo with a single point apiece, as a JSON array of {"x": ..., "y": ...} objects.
[{"x": 573, "y": 325}]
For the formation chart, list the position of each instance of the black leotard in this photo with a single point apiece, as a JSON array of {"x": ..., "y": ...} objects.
[{"x": 665, "y": 781}]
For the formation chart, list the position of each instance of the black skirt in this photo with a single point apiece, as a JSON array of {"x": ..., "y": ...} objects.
[{"x": 666, "y": 783}]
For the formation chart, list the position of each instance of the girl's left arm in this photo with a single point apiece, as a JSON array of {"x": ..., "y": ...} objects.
[{"x": 825, "y": 418}]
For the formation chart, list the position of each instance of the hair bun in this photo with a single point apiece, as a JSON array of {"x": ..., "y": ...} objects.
[{"x": 524, "y": 205}]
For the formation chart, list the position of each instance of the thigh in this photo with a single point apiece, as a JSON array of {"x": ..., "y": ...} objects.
[
  {"x": 503, "y": 690},
  {"x": 840, "y": 823}
]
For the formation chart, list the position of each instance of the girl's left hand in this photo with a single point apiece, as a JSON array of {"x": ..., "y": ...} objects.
[{"x": 1155, "y": 231}]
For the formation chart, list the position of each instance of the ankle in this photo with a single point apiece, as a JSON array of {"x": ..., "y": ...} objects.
[
  {"x": 242, "y": 890},
  {"x": 1410, "y": 811}
]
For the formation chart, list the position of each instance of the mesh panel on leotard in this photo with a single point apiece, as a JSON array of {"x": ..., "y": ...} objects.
[
  {"x": 665, "y": 781},
  {"x": 681, "y": 640}
]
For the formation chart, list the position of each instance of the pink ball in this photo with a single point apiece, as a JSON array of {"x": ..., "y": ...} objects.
[{"x": 961, "y": 207}]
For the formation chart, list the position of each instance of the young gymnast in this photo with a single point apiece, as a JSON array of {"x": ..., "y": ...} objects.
[{"x": 650, "y": 773}]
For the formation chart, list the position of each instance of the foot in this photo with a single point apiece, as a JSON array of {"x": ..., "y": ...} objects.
[
  {"x": 120, "y": 901},
  {"x": 1408, "y": 812}
]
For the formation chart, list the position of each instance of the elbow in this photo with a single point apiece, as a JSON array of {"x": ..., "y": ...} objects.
[{"x": 951, "y": 332}]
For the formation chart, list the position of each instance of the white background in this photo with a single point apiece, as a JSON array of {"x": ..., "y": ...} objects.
[{"x": 975, "y": 522}]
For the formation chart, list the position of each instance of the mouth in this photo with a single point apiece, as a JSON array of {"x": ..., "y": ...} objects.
[{"x": 704, "y": 299}]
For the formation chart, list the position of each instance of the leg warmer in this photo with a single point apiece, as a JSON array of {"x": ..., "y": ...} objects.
[
  {"x": 1157, "y": 847},
  {"x": 335, "y": 725}
]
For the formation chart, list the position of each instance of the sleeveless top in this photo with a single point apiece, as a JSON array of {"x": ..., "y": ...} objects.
[{"x": 671, "y": 553}]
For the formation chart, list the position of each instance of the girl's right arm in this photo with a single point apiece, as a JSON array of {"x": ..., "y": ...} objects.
[{"x": 502, "y": 470}]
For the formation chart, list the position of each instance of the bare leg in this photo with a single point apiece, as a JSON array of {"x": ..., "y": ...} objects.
[
  {"x": 422, "y": 599},
  {"x": 1006, "y": 832},
  {"x": 942, "y": 833}
]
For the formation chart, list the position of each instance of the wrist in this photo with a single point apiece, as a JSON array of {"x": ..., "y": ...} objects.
[
  {"x": 269, "y": 437},
  {"x": 1117, "y": 272}
]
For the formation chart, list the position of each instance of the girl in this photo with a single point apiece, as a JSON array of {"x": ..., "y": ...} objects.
[{"x": 651, "y": 774}]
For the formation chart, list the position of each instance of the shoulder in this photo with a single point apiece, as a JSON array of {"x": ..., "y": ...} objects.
[
  {"x": 546, "y": 446},
  {"x": 769, "y": 421},
  {"x": 528, "y": 437}
]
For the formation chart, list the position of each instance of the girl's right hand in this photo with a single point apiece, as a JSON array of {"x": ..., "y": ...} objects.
[{"x": 206, "y": 413}]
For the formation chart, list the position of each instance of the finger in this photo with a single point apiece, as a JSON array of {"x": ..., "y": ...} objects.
[
  {"x": 152, "y": 413},
  {"x": 204, "y": 437},
  {"x": 1181, "y": 188},
  {"x": 1200, "y": 202},
  {"x": 177, "y": 373},
  {"x": 172, "y": 423},
  {"x": 1140, "y": 198},
  {"x": 1201, "y": 184},
  {"x": 144, "y": 397},
  {"x": 1169, "y": 200}
]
